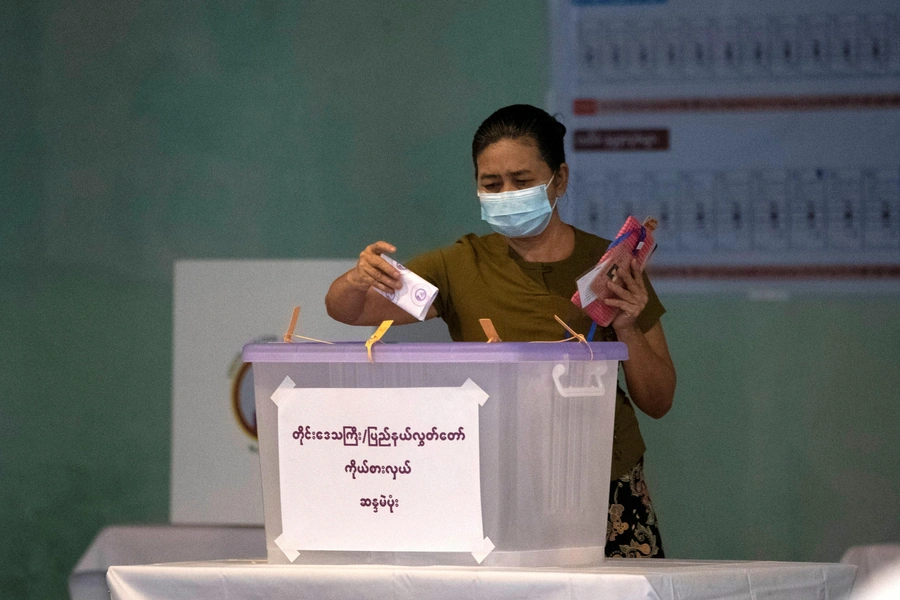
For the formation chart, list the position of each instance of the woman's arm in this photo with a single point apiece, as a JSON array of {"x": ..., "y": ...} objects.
[
  {"x": 352, "y": 298},
  {"x": 649, "y": 371}
]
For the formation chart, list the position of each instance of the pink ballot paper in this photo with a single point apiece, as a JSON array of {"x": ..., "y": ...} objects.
[{"x": 634, "y": 241}]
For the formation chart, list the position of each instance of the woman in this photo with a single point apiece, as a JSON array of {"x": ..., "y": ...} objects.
[{"x": 520, "y": 277}]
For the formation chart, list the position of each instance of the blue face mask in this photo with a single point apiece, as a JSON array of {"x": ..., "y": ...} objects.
[{"x": 519, "y": 213}]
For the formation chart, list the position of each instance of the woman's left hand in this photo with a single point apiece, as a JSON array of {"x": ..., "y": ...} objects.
[
  {"x": 629, "y": 295},
  {"x": 649, "y": 372}
]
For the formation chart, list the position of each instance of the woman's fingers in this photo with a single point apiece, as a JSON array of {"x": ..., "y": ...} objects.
[
  {"x": 630, "y": 294},
  {"x": 628, "y": 308},
  {"x": 623, "y": 304},
  {"x": 373, "y": 271},
  {"x": 382, "y": 275},
  {"x": 618, "y": 289},
  {"x": 380, "y": 247},
  {"x": 632, "y": 277}
]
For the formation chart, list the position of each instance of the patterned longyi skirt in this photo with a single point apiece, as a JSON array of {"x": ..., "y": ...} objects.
[{"x": 632, "y": 530}]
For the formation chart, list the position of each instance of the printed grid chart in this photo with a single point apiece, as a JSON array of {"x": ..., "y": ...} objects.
[
  {"x": 768, "y": 47},
  {"x": 761, "y": 211}
]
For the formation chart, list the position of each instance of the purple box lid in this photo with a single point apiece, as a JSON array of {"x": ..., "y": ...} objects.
[{"x": 452, "y": 352}]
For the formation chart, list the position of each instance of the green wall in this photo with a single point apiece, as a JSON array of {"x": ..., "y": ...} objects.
[
  {"x": 784, "y": 437},
  {"x": 138, "y": 132}
]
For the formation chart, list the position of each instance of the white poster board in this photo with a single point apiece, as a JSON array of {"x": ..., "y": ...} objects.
[
  {"x": 761, "y": 135},
  {"x": 220, "y": 305}
]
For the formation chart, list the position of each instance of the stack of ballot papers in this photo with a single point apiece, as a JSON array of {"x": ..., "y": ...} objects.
[{"x": 634, "y": 241}]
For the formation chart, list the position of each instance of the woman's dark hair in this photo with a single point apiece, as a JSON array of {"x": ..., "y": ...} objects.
[{"x": 520, "y": 121}]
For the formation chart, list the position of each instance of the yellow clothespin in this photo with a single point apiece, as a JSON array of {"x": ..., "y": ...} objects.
[
  {"x": 289, "y": 334},
  {"x": 382, "y": 329},
  {"x": 488, "y": 326}
]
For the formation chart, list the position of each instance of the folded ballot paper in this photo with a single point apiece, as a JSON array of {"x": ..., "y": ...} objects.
[
  {"x": 634, "y": 241},
  {"x": 416, "y": 295}
]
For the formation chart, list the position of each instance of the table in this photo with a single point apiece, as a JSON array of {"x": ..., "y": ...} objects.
[
  {"x": 871, "y": 560},
  {"x": 145, "y": 544},
  {"x": 657, "y": 579}
]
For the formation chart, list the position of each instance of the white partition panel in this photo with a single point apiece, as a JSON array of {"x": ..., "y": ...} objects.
[{"x": 220, "y": 305}]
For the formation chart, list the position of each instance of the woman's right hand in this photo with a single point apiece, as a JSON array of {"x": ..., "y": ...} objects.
[{"x": 373, "y": 271}]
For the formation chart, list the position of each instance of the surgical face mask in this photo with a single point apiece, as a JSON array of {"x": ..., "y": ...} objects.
[{"x": 519, "y": 213}]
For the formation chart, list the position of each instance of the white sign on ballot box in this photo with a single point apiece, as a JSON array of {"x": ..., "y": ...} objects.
[{"x": 380, "y": 469}]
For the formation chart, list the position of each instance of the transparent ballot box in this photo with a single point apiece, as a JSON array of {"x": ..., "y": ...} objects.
[{"x": 435, "y": 454}]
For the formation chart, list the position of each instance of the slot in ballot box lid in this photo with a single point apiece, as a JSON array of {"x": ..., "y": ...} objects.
[{"x": 493, "y": 454}]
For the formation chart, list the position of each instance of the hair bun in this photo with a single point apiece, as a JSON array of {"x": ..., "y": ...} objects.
[
  {"x": 560, "y": 127},
  {"x": 520, "y": 121}
]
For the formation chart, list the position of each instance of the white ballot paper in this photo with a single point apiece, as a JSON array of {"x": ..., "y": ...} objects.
[
  {"x": 380, "y": 469},
  {"x": 416, "y": 295},
  {"x": 584, "y": 283}
]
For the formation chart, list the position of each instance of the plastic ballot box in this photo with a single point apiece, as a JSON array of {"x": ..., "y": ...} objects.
[{"x": 435, "y": 454}]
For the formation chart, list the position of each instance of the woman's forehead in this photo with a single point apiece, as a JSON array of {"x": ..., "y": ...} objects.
[{"x": 511, "y": 155}]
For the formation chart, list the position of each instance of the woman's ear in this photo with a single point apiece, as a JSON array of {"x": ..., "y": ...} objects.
[{"x": 561, "y": 181}]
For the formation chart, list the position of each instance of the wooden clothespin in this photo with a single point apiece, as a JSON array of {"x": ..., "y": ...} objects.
[
  {"x": 289, "y": 334},
  {"x": 489, "y": 330},
  {"x": 575, "y": 335}
]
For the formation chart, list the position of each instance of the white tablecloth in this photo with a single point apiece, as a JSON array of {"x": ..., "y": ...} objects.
[
  {"x": 147, "y": 544},
  {"x": 871, "y": 560},
  {"x": 665, "y": 579}
]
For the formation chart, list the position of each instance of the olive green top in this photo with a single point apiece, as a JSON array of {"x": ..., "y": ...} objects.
[{"x": 483, "y": 277}]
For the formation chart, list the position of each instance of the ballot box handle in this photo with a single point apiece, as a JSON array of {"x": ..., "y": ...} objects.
[{"x": 577, "y": 392}]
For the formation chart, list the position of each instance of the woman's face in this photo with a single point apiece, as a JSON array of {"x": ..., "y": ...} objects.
[{"x": 516, "y": 164}]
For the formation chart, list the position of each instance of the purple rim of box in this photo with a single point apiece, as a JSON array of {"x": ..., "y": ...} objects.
[{"x": 452, "y": 352}]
